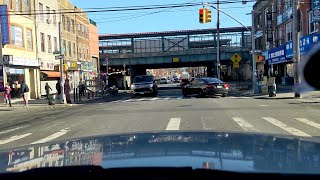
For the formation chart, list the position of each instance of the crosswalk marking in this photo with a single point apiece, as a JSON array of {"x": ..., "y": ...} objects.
[
  {"x": 311, "y": 123},
  {"x": 245, "y": 125},
  {"x": 154, "y": 98},
  {"x": 167, "y": 98},
  {"x": 52, "y": 136},
  {"x": 14, "y": 138},
  {"x": 285, "y": 127},
  {"x": 180, "y": 97},
  {"x": 14, "y": 129},
  {"x": 142, "y": 99},
  {"x": 128, "y": 100},
  {"x": 174, "y": 124}
]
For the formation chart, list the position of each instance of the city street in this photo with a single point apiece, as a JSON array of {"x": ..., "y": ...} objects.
[{"x": 168, "y": 112}]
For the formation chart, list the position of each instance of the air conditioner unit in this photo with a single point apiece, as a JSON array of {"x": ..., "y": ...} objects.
[{"x": 48, "y": 21}]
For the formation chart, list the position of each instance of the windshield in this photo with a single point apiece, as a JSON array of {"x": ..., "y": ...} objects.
[
  {"x": 74, "y": 69},
  {"x": 142, "y": 79}
]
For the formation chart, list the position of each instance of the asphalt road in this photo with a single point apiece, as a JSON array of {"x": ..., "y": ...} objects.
[{"x": 170, "y": 111}]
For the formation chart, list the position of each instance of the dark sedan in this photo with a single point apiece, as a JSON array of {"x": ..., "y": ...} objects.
[{"x": 206, "y": 86}]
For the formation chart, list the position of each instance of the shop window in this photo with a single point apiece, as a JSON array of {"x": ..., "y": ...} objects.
[
  {"x": 17, "y": 36},
  {"x": 29, "y": 40}
]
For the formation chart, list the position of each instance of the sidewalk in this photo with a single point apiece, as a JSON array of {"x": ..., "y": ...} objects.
[
  {"x": 43, "y": 102},
  {"x": 283, "y": 92}
]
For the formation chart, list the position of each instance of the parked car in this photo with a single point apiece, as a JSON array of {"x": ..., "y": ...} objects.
[
  {"x": 175, "y": 80},
  {"x": 206, "y": 86},
  {"x": 163, "y": 80},
  {"x": 144, "y": 84}
]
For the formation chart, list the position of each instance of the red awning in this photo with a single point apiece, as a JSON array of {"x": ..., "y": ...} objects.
[{"x": 52, "y": 74}]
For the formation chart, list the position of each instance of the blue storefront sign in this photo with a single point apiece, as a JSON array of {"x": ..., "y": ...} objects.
[
  {"x": 307, "y": 42},
  {"x": 315, "y": 10},
  {"x": 289, "y": 50},
  {"x": 277, "y": 55},
  {"x": 5, "y": 30}
]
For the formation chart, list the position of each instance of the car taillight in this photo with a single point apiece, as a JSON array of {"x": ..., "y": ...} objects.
[{"x": 226, "y": 86}]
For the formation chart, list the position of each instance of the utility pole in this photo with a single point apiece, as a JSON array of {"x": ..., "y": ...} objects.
[
  {"x": 295, "y": 38},
  {"x": 218, "y": 39},
  {"x": 63, "y": 97},
  {"x": 3, "y": 73},
  {"x": 254, "y": 68}
]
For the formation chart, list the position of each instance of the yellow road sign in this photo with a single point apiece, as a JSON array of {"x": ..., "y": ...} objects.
[
  {"x": 236, "y": 65},
  {"x": 236, "y": 58}
]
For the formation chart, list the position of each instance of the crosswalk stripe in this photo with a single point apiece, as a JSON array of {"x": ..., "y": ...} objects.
[
  {"x": 14, "y": 138},
  {"x": 52, "y": 136},
  {"x": 245, "y": 125},
  {"x": 167, "y": 98},
  {"x": 142, "y": 99},
  {"x": 10, "y": 130},
  {"x": 285, "y": 127},
  {"x": 311, "y": 123},
  {"x": 174, "y": 124},
  {"x": 128, "y": 100},
  {"x": 180, "y": 97},
  {"x": 154, "y": 98}
]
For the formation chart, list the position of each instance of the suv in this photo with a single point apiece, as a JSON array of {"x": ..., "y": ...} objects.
[{"x": 144, "y": 84}]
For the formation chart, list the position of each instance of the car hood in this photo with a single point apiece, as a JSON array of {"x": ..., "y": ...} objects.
[
  {"x": 142, "y": 83},
  {"x": 210, "y": 150}
]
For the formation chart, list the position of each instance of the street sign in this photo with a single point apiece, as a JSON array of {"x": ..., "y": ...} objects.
[
  {"x": 56, "y": 52},
  {"x": 236, "y": 58},
  {"x": 315, "y": 11},
  {"x": 269, "y": 27},
  {"x": 59, "y": 57},
  {"x": 107, "y": 60}
]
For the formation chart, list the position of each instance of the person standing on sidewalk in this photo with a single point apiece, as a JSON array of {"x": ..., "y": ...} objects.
[
  {"x": 7, "y": 94},
  {"x": 58, "y": 88},
  {"x": 24, "y": 92}
]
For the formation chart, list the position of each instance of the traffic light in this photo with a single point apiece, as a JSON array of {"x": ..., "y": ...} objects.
[
  {"x": 208, "y": 15},
  {"x": 201, "y": 15}
]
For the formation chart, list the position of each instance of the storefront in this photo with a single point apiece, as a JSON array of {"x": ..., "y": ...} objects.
[
  {"x": 21, "y": 69},
  {"x": 280, "y": 65},
  {"x": 48, "y": 74},
  {"x": 73, "y": 73},
  {"x": 87, "y": 70}
]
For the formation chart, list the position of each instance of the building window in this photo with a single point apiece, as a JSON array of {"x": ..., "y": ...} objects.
[
  {"x": 265, "y": 16},
  {"x": 54, "y": 17},
  {"x": 64, "y": 46},
  {"x": 68, "y": 24},
  {"x": 49, "y": 44},
  {"x": 48, "y": 13},
  {"x": 18, "y": 5},
  {"x": 63, "y": 23},
  {"x": 279, "y": 7},
  {"x": 29, "y": 40},
  {"x": 287, "y": 4},
  {"x": 79, "y": 28},
  {"x": 312, "y": 25},
  {"x": 69, "y": 44},
  {"x": 84, "y": 53},
  {"x": 16, "y": 36},
  {"x": 55, "y": 41},
  {"x": 42, "y": 38},
  {"x": 74, "y": 49},
  {"x": 8, "y": 3},
  {"x": 289, "y": 31},
  {"x": 72, "y": 26},
  {"x": 27, "y": 5},
  {"x": 82, "y": 30},
  {"x": 280, "y": 40},
  {"x": 87, "y": 32},
  {"x": 41, "y": 11}
]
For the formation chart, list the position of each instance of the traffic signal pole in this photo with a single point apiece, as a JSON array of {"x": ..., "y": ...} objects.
[
  {"x": 218, "y": 39},
  {"x": 295, "y": 40}
]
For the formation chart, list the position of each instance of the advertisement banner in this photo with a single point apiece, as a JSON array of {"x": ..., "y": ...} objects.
[
  {"x": 315, "y": 10},
  {"x": 5, "y": 30},
  {"x": 269, "y": 27},
  {"x": 277, "y": 55}
]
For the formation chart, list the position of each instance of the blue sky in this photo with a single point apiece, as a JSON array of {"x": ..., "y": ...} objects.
[{"x": 172, "y": 19}]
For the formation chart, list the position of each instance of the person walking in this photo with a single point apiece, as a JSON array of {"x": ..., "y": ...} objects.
[
  {"x": 24, "y": 92},
  {"x": 58, "y": 88},
  {"x": 7, "y": 94},
  {"x": 48, "y": 88}
]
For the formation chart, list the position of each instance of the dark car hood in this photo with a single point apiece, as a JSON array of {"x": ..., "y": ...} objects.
[
  {"x": 213, "y": 150},
  {"x": 142, "y": 83}
]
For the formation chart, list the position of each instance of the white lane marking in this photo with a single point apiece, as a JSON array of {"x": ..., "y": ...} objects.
[
  {"x": 311, "y": 123},
  {"x": 115, "y": 101},
  {"x": 285, "y": 127},
  {"x": 167, "y": 98},
  {"x": 263, "y": 105},
  {"x": 128, "y": 100},
  {"x": 174, "y": 124},
  {"x": 142, "y": 99},
  {"x": 14, "y": 138},
  {"x": 154, "y": 98},
  {"x": 193, "y": 97},
  {"x": 10, "y": 130},
  {"x": 245, "y": 125},
  {"x": 52, "y": 136},
  {"x": 180, "y": 97}
]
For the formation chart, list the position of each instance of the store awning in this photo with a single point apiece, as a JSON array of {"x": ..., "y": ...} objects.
[{"x": 52, "y": 74}]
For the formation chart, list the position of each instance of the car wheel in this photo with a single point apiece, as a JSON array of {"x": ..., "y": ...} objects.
[{"x": 201, "y": 94}]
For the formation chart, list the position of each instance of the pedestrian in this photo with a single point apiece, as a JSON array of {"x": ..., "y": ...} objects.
[
  {"x": 24, "y": 92},
  {"x": 58, "y": 88},
  {"x": 80, "y": 88},
  {"x": 67, "y": 90},
  {"x": 260, "y": 80},
  {"x": 7, "y": 94},
  {"x": 48, "y": 88}
]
